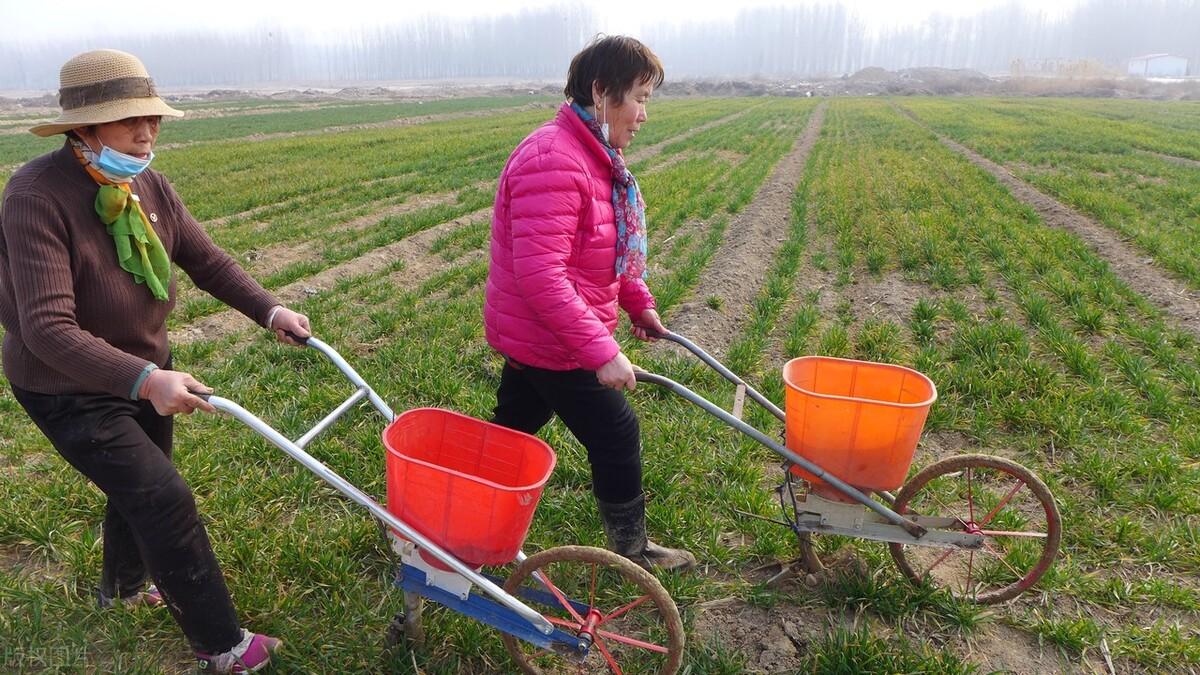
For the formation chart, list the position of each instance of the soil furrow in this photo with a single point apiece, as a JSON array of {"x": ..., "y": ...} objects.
[
  {"x": 739, "y": 266},
  {"x": 1183, "y": 161},
  {"x": 1179, "y": 304},
  {"x": 653, "y": 150},
  {"x": 414, "y": 250},
  {"x": 274, "y": 258}
]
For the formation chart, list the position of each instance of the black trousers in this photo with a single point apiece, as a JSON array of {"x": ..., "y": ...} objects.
[
  {"x": 598, "y": 416},
  {"x": 151, "y": 524}
]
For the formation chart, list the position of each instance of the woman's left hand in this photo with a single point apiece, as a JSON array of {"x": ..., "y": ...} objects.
[
  {"x": 293, "y": 322},
  {"x": 648, "y": 326}
]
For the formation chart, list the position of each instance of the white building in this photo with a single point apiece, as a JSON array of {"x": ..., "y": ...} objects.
[{"x": 1158, "y": 65}]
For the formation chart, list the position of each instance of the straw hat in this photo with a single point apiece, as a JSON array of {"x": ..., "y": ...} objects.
[{"x": 101, "y": 86}]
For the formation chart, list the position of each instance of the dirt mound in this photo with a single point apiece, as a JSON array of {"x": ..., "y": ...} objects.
[
  {"x": 872, "y": 74},
  {"x": 357, "y": 93},
  {"x": 737, "y": 87},
  {"x": 915, "y": 81}
]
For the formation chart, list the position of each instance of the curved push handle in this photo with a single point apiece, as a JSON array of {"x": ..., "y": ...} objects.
[
  {"x": 716, "y": 365},
  {"x": 652, "y": 332},
  {"x": 302, "y": 340}
]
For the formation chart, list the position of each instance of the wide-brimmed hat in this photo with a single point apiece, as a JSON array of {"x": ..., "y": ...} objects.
[{"x": 101, "y": 86}]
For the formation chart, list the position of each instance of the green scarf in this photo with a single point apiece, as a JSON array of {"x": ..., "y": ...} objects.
[{"x": 139, "y": 249}]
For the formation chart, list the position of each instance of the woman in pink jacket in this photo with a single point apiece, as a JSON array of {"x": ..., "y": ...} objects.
[{"x": 568, "y": 247}]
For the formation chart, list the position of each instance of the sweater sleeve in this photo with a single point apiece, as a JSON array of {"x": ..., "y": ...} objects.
[
  {"x": 212, "y": 269},
  {"x": 545, "y": 203},
  {"x": 39, "y": 259}
]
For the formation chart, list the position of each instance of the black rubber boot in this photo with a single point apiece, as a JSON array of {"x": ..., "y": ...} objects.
[{"x": 625, "y": 528}]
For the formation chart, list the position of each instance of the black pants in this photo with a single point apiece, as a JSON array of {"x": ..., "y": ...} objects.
[
  {"x": 598, "y": 416},
  {"x": 151, "y": 524}
]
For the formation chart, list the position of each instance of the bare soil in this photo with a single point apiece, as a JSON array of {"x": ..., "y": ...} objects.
[
  {"x": 413, "y": 250},
  {"x": 887, "y": 297},
  {"x": 1180, "y": 304},
  {"x": 740, "y": 265},
  {"x": 267, "y": 261},
  {"x": 776, "y": 639},
  {"x": 22, "y": 561}
]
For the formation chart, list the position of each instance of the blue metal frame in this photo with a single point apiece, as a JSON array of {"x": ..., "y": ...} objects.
[{"x": 492, "y": 613}]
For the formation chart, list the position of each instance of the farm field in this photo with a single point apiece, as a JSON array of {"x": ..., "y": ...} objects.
[
  {"x": 778, "y": 228},
  {"x": 1136, "y": 174}
]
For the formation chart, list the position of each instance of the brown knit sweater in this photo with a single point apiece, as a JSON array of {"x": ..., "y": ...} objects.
[{"x": 76, "y": 322}]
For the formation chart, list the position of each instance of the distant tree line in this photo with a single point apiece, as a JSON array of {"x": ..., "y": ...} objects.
[
  {"x": 832, "y": 40},
  {"x": 807, "y": 40}
]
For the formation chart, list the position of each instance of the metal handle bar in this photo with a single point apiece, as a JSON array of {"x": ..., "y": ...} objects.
[
  {"x": 296, "y": 451},
  {"x": 720, "y": 368},
  {"x": 716, "y": 411}
]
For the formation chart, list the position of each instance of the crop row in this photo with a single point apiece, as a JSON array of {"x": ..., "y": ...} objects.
[
  {"x": 1038, "y": 350},
  {"x": 1107, "y": 163},
  {"x": 462, "y": 156}
]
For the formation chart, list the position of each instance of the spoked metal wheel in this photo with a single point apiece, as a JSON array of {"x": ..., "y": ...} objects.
[
  {"x": 631, "y": 621},
  {"x": 997, "y": 498}
]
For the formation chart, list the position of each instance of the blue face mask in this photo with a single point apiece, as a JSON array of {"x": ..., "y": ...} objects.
[{"x": 120, "y": 164}]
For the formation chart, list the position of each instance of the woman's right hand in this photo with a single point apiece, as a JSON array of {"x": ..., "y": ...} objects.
[
  {"x": 168, "y": 391},
  {"x": 617, "y": 373}
]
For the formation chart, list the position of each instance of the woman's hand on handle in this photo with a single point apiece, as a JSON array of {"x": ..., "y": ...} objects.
[
  {"x": 285, "y": 321},
  {"x": 617, "y": 373},
  {"x": 168, "y": 391},
  {"x": 648, "y": 326}
]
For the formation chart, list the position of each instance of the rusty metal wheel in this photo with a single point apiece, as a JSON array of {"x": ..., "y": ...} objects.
[
  {"x": 997, "y": 498},
  {"x": 633, "y": 624}
]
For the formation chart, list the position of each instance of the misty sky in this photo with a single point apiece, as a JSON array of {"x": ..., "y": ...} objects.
[
  {"x": 53, "y": 22},
  {"x": 303, "y": 43}
]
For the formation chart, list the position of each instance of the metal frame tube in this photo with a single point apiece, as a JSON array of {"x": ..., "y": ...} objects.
[
  {"x": 337, "y": 360},
  {"x": 716, "y": 411},
  {"x": 332, "y": 417}
]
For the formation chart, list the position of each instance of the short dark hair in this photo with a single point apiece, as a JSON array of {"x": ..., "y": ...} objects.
[{"x": 615, "y": 63}]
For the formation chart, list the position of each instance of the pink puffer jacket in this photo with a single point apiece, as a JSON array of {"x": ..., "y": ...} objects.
[{"x": 552, "y": 290}]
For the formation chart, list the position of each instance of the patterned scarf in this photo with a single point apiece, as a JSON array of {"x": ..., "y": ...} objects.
[
  {"x": 627, "y": 204},
  {"x": 139, "y": 250}
]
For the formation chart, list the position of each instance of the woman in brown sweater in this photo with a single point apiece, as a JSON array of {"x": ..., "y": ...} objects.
[{"x": 88, "y": 236}]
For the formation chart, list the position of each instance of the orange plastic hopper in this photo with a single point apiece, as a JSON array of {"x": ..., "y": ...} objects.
[
  {"x": 468, "y": 485},
  {"x": 858, "y": 420}
]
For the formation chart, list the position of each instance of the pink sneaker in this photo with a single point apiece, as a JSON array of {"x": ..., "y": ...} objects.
[{"x": 250, "y": 655}]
